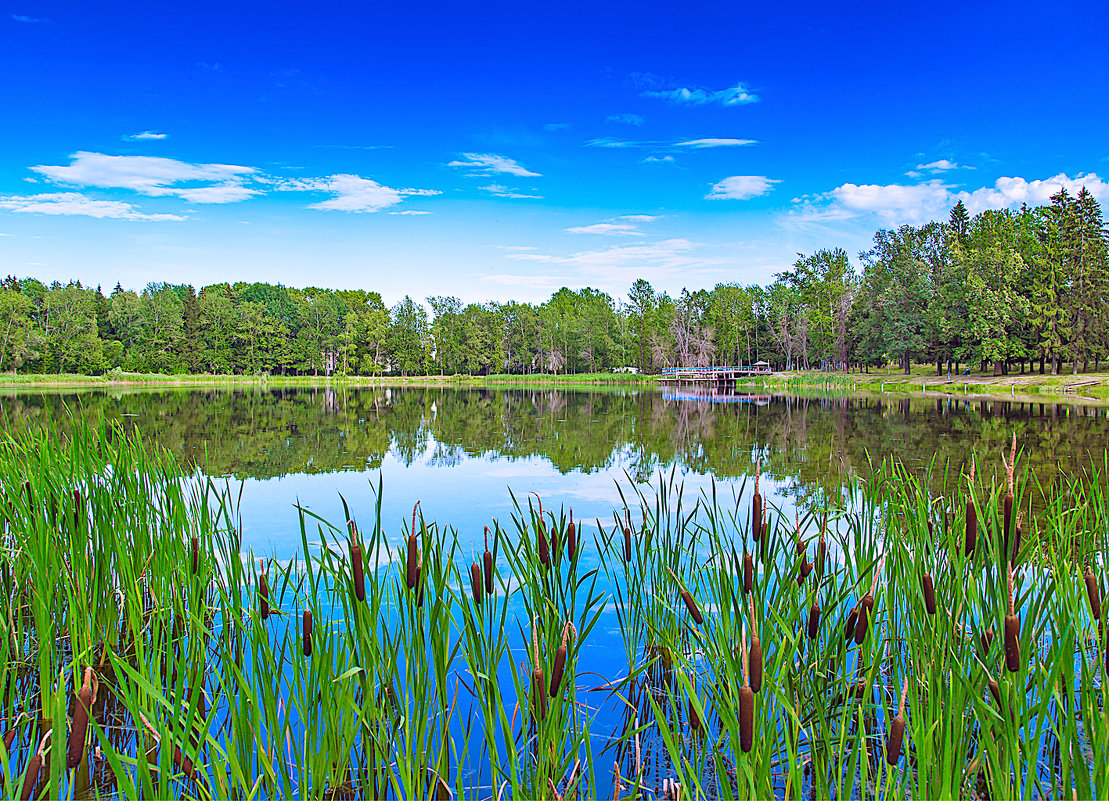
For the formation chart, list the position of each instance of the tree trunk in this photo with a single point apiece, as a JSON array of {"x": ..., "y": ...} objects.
[
  {"x": 939, "y": 366},
  {"x": 906, "y": 364},
  {"x": 1043, "y": 359}
]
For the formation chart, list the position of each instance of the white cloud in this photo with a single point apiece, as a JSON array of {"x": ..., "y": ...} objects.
[
  {"x": 942, "y": 165},
  {"x": 658, "y": 160},
  {"x": 607, "y": 229},
  {"x": 734, "y": 96},
  {"x": 155, "y": 177},
  {"x": 701, "y": 143},
  {"x": 145, "y": 135},
  {"x": 75, "y": 203},
  {"x": 352, "y": 193},
  {"x": 490, "y": 163},
  {"x": 895, "y": 204},
  {"x": 28, "y": 20},
  {"x": 741, "y": 187},
  {"x": 626, "y": 119},
  {"x": 500, "y": 190},
  {"x": 410, "y": 212},
  {"x": 641, "y": 217}
]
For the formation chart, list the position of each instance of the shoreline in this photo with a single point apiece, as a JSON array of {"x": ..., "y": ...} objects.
[{"x": 1078, "y": 388}]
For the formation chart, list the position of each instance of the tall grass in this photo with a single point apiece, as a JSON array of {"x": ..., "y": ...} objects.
[{"x": 838, "y": 654}]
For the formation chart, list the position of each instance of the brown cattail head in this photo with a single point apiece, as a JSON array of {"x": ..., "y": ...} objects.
[
  {"x": 995, "y": 691},
  {"x": 852, "y": 621},
  {"x": 814, "y": 620},
  {"x": 746, "y": 718},
  {"x": 627, "y": 544},
  {"x": 1094, "y": 594},
  {"x": 972, "y": 528},
  {"x": 34, "y": 765},
  {"x": 356, "y": 571},
  {"x": 756, "y": 508},
  {"x": 893, "y": 744},
  {"x": 559, "y": 667},
  {"x": 554, "y": 538},
  {"x": 748, "y": 573},
  {"x": 487, "y": 561},
  {"x": 754, "y": 663},
  {"x": 306, "y": 632},
  {"x": 987, "y": 641},
  {"x": 863, "y": 621},
  {"x": 544, "y": 550},
  {"x": 263, "y": 596},
  {"x": 196, "y": 555},
  {"x": 1012, "y": 643},
  {"x": 571, "y": 538},
  {"x": 78, "y": 734},
  {"x": 476, "y": 583},
  {"x": 539, "y": 693},
  {"x": 694, "y": 718},
  {"x": 929, "y": 593},
  {"x": 691, "y": 605},
  {"x": 413, "y": 566},
  {"x": 803, "y": 573}
]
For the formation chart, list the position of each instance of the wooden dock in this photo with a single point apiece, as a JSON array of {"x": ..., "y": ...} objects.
[{"x": 720, "y": 377}]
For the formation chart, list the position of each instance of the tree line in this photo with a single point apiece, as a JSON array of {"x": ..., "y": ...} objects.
[{"x": 1000, "y": 290}]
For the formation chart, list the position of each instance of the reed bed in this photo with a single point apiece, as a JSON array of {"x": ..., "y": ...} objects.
[{"x": 849, "y": 652}]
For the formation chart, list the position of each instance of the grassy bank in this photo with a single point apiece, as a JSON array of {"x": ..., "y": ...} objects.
[{"x": 908, "y": 645}]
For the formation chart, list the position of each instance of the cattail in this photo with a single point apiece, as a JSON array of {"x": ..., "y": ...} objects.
[
  {"x": 748, "y": 573},
  {"x": 476, "y": 583},
  {"x": 995, "y": 691},
  {"x": 34, "y": 765},
  {"x": 9, "y": 738},
  {"x": 897, "y": 731},
  {"x": 544, "y": 551},
  {"x": 756, "y": 508},
  {"x": 307, "y": 632},
  {"x": 263, "y": 596},
  {"x": 691, "y": 605},
  {"x": 972, "y": 519},
  {"x": 929, "y": 593},
  {"x": 356, "y": 571},
  {"x": 627, "y": 544},
  {"x": 1016, "y": 540},
  {"x": 412, "y": 571},
  {"x": 554, "y": 538},
  {"x": 806, "y": 568},
  {"x": 1094, "y": 594},
  {"x": 571, "y": 538},
  {"x": 78, "y": 734},
  {"x": 694, "y": 718},
  {"x": 863, "y": 621},
  {"x": 487, "y": 563},
  {"x": 852, "y": 621},
  {"x": 1007, "y": 503},
  {"x": 1012, "y": 633},
  {"x": 539, "y": 693},
  {"x": 559, "y": 663},
  {"x": 754, "y": 663},
  {"x": 814, "y": 620},
  {"x": 987, "y": 641},
  {"x": 196, "y": 556},
  {"x": 746, "y": 700}
]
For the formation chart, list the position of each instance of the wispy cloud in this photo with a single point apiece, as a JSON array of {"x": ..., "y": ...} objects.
[
  {"x": 490, "y": 163},
  {"x": 556, "y": 126},
  {"x": 659, "y": 160},
  {"x": 685, "y": 96},
  {"x": 933, "y": 167},
  {"x": 144, "y": 136},
  {"x": 626, "y": 119},
  {"x": 155, "y": 177},
  {"x": 75, "y": 203},
  {"x": 500, "y": 190},
  {"x": 741, "y": 187},
  {"x": 352, "y": 193},
  {"x": 894, "y": 204},
  {"x": 29, "y": 20},
  {"x": 607, "y": 229},
  {"x": 410, "y": 212},
  {"x": 703, "y": 143},
  {"x": 640, "y": 217}
]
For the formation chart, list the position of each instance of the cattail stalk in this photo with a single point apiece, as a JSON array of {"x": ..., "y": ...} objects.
[
  {"x": 754, "y": 656},
  {"x": 628, "y": 537},
  {"x": 412, "y": 568},
  {"x": 357, "y": 571},
  {"x": 34, "y": 764},
  {"x": 756, "y": 507},
  {"x": 476, "y": 583},
  {"x": 78, "y": 734},
  {"x": 814, "y": 620},
  {"x": 748, "y": 573},
  {"x": 852, "y": 622},
  {"x": 1094, "y": 594},
  {"x": 571, "y": 538},
  {"x": 559, "y": 668},
  {"x": 971, "y": 536},
  {"x": 1007, "y": 503}
]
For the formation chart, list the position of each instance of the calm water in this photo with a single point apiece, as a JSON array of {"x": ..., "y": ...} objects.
[{"x": 459, "y": 452}]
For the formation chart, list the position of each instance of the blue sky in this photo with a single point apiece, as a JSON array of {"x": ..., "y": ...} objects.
[{"x": 502, "y": 151}]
